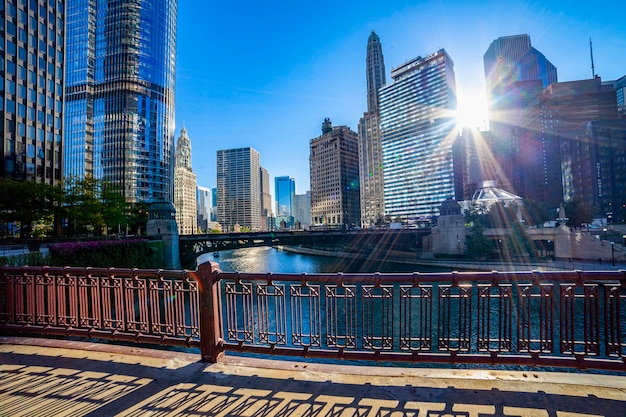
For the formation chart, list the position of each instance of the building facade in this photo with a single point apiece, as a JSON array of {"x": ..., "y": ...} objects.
[
  {"x": 239, "y": 189},
  {"x": 204, "y": 203},
  {"x": 285, "y": 191},
  {"x": 417, "y": 134},
  {"x": 119, "y": 92},
  {"x": 266, "y": 200},
  {"x": 515, "y": 74},
  {"x": 370, "y": 151},
  {"x": 549, "y": 125},
  {"x": 302, "y": 210},
  {"x": 334, "y": 170},
  {"x": 185, "y": 187},
  {"x": 31, "y": 92}
]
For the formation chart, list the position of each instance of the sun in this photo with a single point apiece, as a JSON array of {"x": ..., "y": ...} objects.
[{"x": 472, "y": 112}]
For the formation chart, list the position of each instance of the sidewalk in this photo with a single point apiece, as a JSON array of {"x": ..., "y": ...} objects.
[{"x": 52, "y": 377}]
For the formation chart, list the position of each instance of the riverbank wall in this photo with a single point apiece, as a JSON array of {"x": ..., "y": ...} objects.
[{"x": 412, "y": 258}]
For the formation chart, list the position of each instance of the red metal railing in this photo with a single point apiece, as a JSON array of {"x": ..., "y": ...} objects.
[{"x": 574, "y": 319}]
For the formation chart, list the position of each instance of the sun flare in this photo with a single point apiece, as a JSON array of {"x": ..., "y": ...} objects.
[{"x": 472, "y": 113}]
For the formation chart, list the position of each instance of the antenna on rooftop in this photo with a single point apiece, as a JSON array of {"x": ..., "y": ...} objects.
[{"x": 593, "y": 70}]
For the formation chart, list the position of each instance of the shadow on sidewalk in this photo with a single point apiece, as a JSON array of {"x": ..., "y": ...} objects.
[{"x": 46, "y": 384}]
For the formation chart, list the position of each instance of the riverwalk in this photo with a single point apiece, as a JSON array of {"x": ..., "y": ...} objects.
[{"x": 57, "y": 378}]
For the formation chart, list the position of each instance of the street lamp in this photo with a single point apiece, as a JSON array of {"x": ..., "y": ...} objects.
[
  {"x": 604, "y": 230},
  {"x": 624, "y": 237},
  {"x": 613, "y": 253}
]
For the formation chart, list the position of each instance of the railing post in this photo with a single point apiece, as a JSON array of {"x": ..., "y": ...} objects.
[{"x": 210, "y": 314}]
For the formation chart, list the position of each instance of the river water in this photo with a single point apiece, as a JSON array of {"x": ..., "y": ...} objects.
[{"x": 266, "y": 259}]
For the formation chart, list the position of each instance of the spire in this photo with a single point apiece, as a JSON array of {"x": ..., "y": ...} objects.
[
  {"x": 183, "y": 150},
  {"x": 374, "y": 70}
]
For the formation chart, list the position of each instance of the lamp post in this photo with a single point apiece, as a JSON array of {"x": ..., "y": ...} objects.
[
  {"x": 604, "y": 230},
  {"x": 624, "y": 237},
  {"x": 613, "y": 253}
]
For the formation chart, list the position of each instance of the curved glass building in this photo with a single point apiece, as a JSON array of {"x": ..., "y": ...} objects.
[{"x": 119, "y": 109}]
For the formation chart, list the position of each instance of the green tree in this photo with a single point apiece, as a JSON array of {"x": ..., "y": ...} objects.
[
  {"x": 579, "y": 211},
  {"x": 536, "y": 212},
  {"x": 476, "y": 243}
]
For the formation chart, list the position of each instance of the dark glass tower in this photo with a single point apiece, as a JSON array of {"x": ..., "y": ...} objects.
[
  {"x": 31, "y": 89},
  {"x": 370, "y": 152},
  {"x": 120, "y": 74}
]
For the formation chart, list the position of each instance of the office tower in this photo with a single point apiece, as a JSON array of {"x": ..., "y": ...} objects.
[
  {"x": 370, "y": 152},
  {"x": 266, "y": 200},
  {"x": 620, "y": 93},
  {"x": 334, "y": 170},
  {"x": 184, "y": 187},
  {"x": 239, "y": 189},
  {"x": 594, "y": 167},
  {"x": 302, "y": 210},
  {"x": 549, "y": 127},
  {"x": 214, "y": 204},
  {"x": 285, "y": 190},
  {"x": 119, "y": 108},
  {"x": 417, "y": 134},
  {"x": 516, "y": 74},
  {"x": 31, "y": 89},
  {"x": 204, "y": 203}
]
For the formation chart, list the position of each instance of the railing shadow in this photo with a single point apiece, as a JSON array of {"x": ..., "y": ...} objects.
[{"x": 51, "y": 382}]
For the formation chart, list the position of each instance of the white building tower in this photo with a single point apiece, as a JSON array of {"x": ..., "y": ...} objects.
[{"x": 185, "y": 187}]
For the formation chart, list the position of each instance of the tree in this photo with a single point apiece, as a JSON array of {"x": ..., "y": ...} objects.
[
  {"x": 476, "y": 243},
  {"x": 579, "y": 211}
]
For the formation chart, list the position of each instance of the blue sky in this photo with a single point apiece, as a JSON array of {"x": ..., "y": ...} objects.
[{"x": 266, "y": 74}]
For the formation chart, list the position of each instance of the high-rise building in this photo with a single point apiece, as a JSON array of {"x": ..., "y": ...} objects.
[
  {"x": 370, "y": 151},
  {"x": 334, "y": 170},
  {"x": 204, "y": 203},
  {"x": 549, "y": 125},
  {"x": 31, "y": 92},
  {"x": 239, "y": 189},
  {"x": 214, "y": 204},
  {"x": 302, "y": 210},
  {"x": 594, "y": 167},
  {"x": 266, "y": 200},
  {"x": 620, "y": 94},
  {"x": 515, "y": 74},
  {"x": 417, "y": 134},
  {"x": 284, "y": 190},
  {"x": 185, "y": 187},
  {"x": 119, "y": 102}
]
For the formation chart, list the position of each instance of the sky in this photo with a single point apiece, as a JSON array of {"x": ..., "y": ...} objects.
[{"x": 266, "y": 74}]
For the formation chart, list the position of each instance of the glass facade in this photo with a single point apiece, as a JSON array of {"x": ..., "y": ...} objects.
[
  {"x": 285, "y": 190},
  {"x": 31, "y": 89},
  {"x": 417, "y": 136},
  {"x": 120, "y": 79}
]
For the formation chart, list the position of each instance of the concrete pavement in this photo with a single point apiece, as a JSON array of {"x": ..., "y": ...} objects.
[{"x": 43, "y": 377}]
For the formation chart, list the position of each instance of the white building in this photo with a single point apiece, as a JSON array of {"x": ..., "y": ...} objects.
[{"x": 184, "y": 187}]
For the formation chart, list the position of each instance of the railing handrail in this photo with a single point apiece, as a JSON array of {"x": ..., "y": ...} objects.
[{"x": 555, "y": 318}]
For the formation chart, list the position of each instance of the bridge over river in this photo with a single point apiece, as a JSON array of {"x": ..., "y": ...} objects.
[{"x": 370, "y": 240}]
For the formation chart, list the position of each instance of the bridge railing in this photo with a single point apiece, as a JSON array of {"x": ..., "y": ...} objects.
[{"x": 573, "y": 319}]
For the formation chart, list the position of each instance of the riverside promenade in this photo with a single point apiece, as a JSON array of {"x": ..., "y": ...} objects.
[{"x": 45, "y": 377}]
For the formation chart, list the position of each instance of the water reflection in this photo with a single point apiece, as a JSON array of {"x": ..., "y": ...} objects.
[{"x": 267, "y": 259}]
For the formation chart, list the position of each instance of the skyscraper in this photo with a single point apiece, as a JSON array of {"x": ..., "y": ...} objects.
[
  {"x": 266, "y": 200},
  {"x": 515, "y": 75},
  {"x": 31, "y": 93},
  {"x": 417, "y": 134},
  {"x": 204, "y": 203},
  {"x": 370, "y": 151},
  {"x": 119, "y": 111},
  {"x": 185, "y": 187},
  {"x": 334, "y": 170},
  {"x": 239, "y": 189},
  {"x": 285, "y": 191},
  {"x": 302, "y": 210}
]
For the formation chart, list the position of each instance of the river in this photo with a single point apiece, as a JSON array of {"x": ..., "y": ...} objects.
[{"x": 266, "y": 259}]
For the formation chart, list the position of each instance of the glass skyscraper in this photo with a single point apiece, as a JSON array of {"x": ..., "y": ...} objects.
[
  {"x": 417, "y": 135},
  {"x": 31, "y": 89},
  {"x": 119, "y": 111},
  {"x": 285, "y": 190}
]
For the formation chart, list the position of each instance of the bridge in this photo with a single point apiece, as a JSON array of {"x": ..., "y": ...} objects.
[{"x": 192, "y": 246}]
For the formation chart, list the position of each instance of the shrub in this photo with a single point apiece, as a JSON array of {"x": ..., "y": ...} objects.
[
  {"x": 26, "y": 259},
  {"x": 130, "y": 253}
]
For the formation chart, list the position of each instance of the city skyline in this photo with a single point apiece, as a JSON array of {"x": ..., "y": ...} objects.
[{"x": 268, "y": 78}]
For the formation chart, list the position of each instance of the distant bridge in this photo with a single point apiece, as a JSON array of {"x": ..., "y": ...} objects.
[{"x": 192, "y": 246}]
